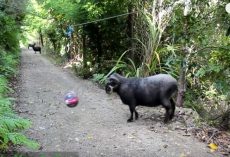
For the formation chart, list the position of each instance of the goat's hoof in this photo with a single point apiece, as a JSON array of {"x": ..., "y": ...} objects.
[
  {"x": 130, "y": 120},
  {"x": 171, "y": 117},
  {"x": 166, "y": 120}
]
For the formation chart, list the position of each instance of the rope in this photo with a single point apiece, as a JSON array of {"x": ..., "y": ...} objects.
[
  {"x": 80, "y": 24},
  {"x": 103, "y": 19}
]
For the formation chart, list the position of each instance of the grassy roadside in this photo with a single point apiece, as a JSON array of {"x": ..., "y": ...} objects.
[{"x": 11, "y": 125}]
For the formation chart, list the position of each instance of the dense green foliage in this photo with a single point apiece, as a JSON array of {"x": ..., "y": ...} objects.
[
  {"x": 184, "y": 38},
  {"x": 11, "y": 126}
]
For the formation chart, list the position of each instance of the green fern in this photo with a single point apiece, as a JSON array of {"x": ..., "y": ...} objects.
[
  {"x": 13, "y": 123},
  {"x": 20, "y": 139},
  {"x": 10, "y": 127},
  {"x": 3, "y": 85}
]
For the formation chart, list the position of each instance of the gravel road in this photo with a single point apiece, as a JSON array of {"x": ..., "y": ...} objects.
[{"x": 97, "y": 126}]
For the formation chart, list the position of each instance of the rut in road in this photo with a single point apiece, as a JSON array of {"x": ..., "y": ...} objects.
[{"x": 97, "y": 126}]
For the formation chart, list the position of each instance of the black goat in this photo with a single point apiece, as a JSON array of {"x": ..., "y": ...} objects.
[
  {"x": 150, "y": 91},
  {"x": 36, "y": 48},
  {"x": 30, "y": 45}
]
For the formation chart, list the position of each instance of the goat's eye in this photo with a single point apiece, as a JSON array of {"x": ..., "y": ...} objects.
[{"x": 112, "y": 83}]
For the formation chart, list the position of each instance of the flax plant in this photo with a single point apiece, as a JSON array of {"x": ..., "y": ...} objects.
[{"x": 152, "y": 19}]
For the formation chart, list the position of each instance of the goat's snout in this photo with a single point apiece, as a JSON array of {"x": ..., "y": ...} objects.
[
  {"x": 108, "y": 88},
  {"x": 112, "y": 85}
]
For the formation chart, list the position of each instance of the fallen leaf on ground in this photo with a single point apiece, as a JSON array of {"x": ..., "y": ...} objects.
[
  {"x": 89, "y": 137},
  {"x": 213, "y": 147},
  {"x": 182, "y": 155}
]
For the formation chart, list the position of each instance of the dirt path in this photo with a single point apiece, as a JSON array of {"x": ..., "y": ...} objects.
[{"x": 97, "y": 126}]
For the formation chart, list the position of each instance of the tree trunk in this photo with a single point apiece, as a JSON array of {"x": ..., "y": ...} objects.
[
  {"x": 84, "y": 48},
  {"x": 130, "y": 31},
  {"x": 225, "y": 120},
  {"x": 182, "y": 77},
  {"x": 99, "y": 47},
  {"x": 53, "y": 41},
  {"x": 181, "y": 85},
  {"x": 41, "y": 37}
]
